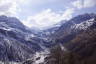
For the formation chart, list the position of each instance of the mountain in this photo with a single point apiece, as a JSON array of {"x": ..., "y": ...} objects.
[
  {"x": 17, "y": 43},
  {"x": 71, "y": 28},
  {"x": 76, "y": 40},
  {"x": 65, "y": 31},
  {"x": 78, "y": 36}
]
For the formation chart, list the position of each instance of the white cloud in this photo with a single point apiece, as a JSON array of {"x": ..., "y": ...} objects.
[
  {"x": 43, "y": 19},
  {"x": 68, "y": 13},
  {"x": 48, "y": 18},
  {"x": 10, "y": 7},
  {"x": 89, "y": 3},
  {"x": 84, "y": 3},
  {"x": 77, "y": 4}
]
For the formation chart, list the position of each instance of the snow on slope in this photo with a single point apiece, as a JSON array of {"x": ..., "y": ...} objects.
[{"x": 84, "y": 25}]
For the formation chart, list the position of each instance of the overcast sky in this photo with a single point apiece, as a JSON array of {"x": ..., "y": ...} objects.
[{"x": 45, "y": 13}]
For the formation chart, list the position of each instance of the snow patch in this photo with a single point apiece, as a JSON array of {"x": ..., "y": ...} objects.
[
  {"x": 40, "y": 56},
  {"x": 84, "y": 25}
]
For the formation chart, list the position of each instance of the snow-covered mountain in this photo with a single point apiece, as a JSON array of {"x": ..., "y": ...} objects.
[
  {"x": 16, "y": 42},
  {"x": 69, "y": 29},
  {"x": 19, "y": 43},
  {"x": 78, "y": 35}
]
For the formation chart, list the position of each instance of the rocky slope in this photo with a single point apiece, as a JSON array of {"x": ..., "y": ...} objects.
[
  {"x": 78, "y": 38},
  {"x": 73, "y": 27},
  {"x": 18, "y": 43}
]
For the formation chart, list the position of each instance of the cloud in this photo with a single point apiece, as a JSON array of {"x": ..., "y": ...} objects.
[
  {"x": 43, "y": 19},
  {"x": 48, "y": 18},
  {"x": 84, "y": 3},
  {"x": 9, "y": 7},
  {"x": 68, "y": 13},
  {"x": 77, "y": 4},
  {"x": 89, "y": 3}
]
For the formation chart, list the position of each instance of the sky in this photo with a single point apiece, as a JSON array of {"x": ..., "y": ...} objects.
[{"x": 42, "y": 14}]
